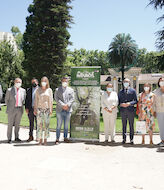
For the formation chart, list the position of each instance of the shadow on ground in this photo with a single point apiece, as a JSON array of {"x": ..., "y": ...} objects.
[{"x": 127, "y": 145}]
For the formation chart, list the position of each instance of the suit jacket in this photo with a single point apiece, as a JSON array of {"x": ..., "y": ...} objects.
[
  {"x": 10, "y": 99},
  {"x": 129, "y": 96},
  {"x": 28, "y": 101},
  {"x": 64, "y": 97}
]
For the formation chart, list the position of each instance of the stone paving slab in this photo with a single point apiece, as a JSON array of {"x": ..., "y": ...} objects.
[{"x": 80, "y": 165}]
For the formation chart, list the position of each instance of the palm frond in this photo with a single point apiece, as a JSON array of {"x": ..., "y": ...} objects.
[
  {"x": 157, "y": 3},
  {"x": 160, "y": 40}
]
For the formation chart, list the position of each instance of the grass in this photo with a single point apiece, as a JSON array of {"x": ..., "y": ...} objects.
[{"x": 25, "y": 122}]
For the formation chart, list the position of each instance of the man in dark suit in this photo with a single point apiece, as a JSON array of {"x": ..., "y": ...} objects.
[
  {"x": 127, "y": 99},
  {"x": 29, "y": 106}
]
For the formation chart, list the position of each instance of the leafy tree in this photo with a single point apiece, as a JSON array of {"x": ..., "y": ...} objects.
[
  {"x": 141, "y": 57},
  {"x": 46, "y": 39},
  {"x": 123, "y": 52},
  {"x": 83, "y": 57},
  {"x": 10, "y": 64},
  {"x": 150, "y": 62},
  {"x": 18, "y": 36}
]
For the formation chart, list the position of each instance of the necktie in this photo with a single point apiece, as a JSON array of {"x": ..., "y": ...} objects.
[{"x": 17, "y": 96}]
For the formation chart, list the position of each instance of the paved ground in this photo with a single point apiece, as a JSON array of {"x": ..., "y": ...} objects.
[{"x": 79, "y": 166}]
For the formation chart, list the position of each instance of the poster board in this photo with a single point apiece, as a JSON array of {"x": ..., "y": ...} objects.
[{"x": 85, "y": 118}]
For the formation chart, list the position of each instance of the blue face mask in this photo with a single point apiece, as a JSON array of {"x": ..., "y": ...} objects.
[
  {"x": 126, "y": 84},
  {"x": 109, "y": 89}
]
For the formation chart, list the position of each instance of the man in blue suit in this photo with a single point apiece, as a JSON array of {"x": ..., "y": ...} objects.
[{"x": 127, "y": 99}]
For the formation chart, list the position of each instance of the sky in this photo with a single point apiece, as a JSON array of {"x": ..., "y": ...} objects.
[{"x": 96, "y": 22}]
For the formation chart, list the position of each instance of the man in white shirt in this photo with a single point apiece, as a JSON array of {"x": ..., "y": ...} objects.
[{"x": 15, "y": 97}]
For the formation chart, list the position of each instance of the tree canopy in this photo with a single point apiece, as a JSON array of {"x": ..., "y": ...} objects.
[
  {"x": 18, "y": 36},
  {"x": 10, "y": 64},
  {"x": 46, "y": 39},
  {"x": 83, "y": 57},
  {"x": 123, "y": 52}
]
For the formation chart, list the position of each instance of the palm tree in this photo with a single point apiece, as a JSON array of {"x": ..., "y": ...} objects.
[
  {"x": 159, "y": 4},
  {"x": 123, "y": 52}
]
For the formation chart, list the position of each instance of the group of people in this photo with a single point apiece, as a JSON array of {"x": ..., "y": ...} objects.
[
  {"x": 38, "y": 102},
  {"x": 150, "y": 105},
  {"x": 39, "y": 107}
]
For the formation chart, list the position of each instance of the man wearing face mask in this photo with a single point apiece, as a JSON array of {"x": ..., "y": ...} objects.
[
  {"x": 29, "y": 106},
  {"x": 127, "y": 99},
  {"x": 64, "y": 97},
  {"x": 14, "y": 99}
]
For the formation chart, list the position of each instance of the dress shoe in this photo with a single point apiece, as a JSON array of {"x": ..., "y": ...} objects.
[
  {"x": 161, "y": 144},
  {"x": 57, "y": 142},
  {"x": 17, "y": 140},
  {"x": 131, "y": 142},
  {"x": 9, "y": 141},
  {"x": 123, "y": 142},
  {"x": 106, "y": 141},
  {"x": 66, "y": 140},
  {"x": 30, "y": 139}
]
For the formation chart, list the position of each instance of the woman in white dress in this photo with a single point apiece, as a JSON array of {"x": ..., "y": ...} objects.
[{"x": 109, "y": 103}]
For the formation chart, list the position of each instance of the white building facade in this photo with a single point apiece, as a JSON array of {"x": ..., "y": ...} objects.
[
  {"x": 6, "y": 36},
  {"x": 134, "y": 74}
]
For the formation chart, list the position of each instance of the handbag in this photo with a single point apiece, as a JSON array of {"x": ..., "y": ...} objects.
[
  {"x": 141, "y": 127},
  {"x": 137, "y": 108}
]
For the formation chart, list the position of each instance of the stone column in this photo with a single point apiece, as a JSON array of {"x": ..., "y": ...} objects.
[
  {"x": 137, "y": 85},
  {"x": 115, "y": 84},
  {"x": 131, "y": 81}
]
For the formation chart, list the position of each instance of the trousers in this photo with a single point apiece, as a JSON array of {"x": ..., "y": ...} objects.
[
  {"x": 109, "y": 124},
  {"x": 127, "y": 115},
  {"x": 14, "y": 119}
]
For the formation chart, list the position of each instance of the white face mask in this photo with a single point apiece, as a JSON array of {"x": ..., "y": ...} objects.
[
  {"x": 109, "y": 89},
  {"x": 64, "y": 84},
  {"x": 18, "y": 84},
  {"x": 161, "y": 83},
  {"x": 126, "y": 84},
  {"x": 44, "y": 84},
  {"x": 146, "y": 88}
]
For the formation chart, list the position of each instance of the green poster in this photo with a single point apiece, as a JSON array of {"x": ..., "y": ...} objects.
[
  {"x": 85, "y": 119},
  {"x": 85, "y": 76}
]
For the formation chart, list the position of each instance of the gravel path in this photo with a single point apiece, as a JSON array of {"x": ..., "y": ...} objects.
[{"x": 80, "y": 166}]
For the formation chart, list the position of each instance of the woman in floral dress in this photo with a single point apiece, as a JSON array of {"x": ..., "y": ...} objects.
[{"x": 146, "y": 111}]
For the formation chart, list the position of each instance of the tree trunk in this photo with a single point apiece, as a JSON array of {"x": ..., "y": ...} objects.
[
  {"x": 123, "y": 71},
  {"x": 123, "y": 74}
]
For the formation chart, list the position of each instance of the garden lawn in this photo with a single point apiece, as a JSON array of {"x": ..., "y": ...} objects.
[{"x": 25, "y": 122}]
